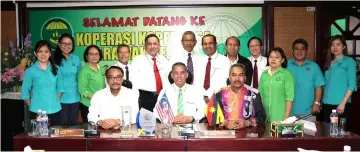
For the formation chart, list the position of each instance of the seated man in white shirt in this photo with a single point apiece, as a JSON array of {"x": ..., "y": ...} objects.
[
  {"x": 105, "y": 105},
  {"x": 186, "y": 101}
]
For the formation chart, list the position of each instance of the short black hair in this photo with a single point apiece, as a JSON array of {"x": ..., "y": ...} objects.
[
  {"x": 86, "y": 52},
  {"x": 178, "y": 64},
  {"x": 254, "y": 38},
  {"x": 208, "y": 35},
  {"x": 238, "y": 65},
  {"x": 151, "y": 35},
  {"x": 188, "y": 33},
  {"x": 282, "y": 53},
  {"x": 121, "y": 46},
  {"x": 230, "y": 38},
  {"x": 114, "y": 67},
  {"x": 300, "y": 41}
]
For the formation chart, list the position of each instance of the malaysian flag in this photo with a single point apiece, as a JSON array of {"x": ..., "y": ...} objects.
[{"x": 164, "y": 110}]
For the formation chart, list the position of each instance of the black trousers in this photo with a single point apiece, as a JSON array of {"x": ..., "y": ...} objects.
[
  {"x": 147, "y": 100},
  {"x": 69, "y": 113},
  {"x": 54, "y": 119},
  {"x": 84, "y": 112},
  {"x": 326, "y": 111}
]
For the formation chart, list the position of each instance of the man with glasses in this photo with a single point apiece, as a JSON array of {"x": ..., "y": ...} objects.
[
  {"x": 309, "y": 81},
  {"x": 105, "y": 107}
]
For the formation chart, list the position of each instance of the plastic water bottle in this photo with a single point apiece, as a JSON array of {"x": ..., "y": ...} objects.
[
  {"x": 38, "y": 122},
  {"x": 347, "y": 148},
  {"x": 334, "y": 121},
  {"x": 44, "y": 131}
]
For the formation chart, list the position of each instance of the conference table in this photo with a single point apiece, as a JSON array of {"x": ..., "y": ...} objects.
[{"x": 319, "y": 140}]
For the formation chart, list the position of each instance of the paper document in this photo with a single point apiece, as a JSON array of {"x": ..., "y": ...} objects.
[
  {"x": 289, "y": 120},
  {"x": 308, "y": 125}
]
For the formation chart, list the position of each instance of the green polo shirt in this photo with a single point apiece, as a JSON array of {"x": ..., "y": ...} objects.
[
  {"x": 308, "y": 77},
  {"x": 340, "y": 77},
  {"x": 275, "y": 90},
  {"x": 90, "y": 81}
]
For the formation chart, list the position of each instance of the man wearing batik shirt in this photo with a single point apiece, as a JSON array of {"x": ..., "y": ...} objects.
[{"x": 240, "y": 104}]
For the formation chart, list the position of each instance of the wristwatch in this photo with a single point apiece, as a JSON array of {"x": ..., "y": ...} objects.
[{"x": 318, "y": 103}]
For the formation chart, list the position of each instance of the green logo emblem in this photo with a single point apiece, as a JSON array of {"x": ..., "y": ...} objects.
[{"x": 53, "y": 28}]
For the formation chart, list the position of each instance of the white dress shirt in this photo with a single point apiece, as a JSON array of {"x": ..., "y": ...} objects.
[
  {"x": 143, "y": 72},
  {"x": 104, "y": 105},
  {"x": 122, "y": 66},
  {"x": 193, "y": 101},
  {"x": 261, "y": 66},
  {"x": 219, "y": 73},
  {"x": 182, "y": 56},
  {"x": 231, "y": 62}
]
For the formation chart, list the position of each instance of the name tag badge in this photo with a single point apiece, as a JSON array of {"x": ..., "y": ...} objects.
[{"x": 190, "y": 102}]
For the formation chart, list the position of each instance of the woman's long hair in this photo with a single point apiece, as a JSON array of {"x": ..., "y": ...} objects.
[
  {"x": 58, "y": 53},
  {"x": 42, "y": 43},
  {"x": 329, "y": 55}
]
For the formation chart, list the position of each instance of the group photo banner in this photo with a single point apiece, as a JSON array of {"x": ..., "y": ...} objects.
[{"x": 107, "y": 28}]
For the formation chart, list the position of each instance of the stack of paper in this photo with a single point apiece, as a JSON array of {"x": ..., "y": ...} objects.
[{"x": 308, "y": 125}]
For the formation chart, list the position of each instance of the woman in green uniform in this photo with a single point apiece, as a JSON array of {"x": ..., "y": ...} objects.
[
  {"x": 277, "y": 87},
  {"x": 91, "y": 78}
]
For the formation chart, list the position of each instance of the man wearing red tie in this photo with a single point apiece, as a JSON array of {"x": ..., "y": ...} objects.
[
  {"x": 150, "y": 73},
  {"x": 257, "y": 60},
  {"x": 214, "y": 68}
]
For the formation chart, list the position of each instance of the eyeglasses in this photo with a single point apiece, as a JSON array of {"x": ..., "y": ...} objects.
[
  {"x": 66, "y": 44},
  {"x": 117, "y": 78}
]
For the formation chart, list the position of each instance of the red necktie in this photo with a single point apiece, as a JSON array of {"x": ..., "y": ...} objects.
[
  {"x": 157, "y": 77},
  {"x": 207, "y": 75},
  {"x": 255, "y": 76}
]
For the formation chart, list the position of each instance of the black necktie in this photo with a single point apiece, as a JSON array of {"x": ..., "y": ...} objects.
[{"x": 127, "y": 72}]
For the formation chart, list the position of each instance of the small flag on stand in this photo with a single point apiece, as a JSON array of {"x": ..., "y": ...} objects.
[
  {"x": 164, "y": 110},
  {"x": 213, "y": 112}
]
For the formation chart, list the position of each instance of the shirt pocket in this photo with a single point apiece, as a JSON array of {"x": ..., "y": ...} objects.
[
  {"x": 278, "y": 83},
  {"x": 189, "y": 108}
]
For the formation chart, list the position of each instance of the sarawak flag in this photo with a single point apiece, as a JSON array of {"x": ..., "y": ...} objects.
[
  {"x": 213, "y": 112},
  {"x": 164, "y": 110}
]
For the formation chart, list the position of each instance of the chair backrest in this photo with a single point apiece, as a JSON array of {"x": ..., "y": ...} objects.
[
  {"x": 188, "y": 80},
  {"x": 127, "y": 84}
]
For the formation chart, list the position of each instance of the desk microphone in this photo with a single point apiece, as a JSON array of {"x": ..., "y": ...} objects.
[
  {"x": 92, "y": 130},
  {"x": 292, "y": 132}
]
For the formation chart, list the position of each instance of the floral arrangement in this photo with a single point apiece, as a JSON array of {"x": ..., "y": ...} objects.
[{"x": 14, "y": 61}]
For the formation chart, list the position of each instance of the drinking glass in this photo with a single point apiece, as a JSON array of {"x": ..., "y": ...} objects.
[
  {"x": 126, "y": 118},
  {"x": 34, "y": 130},
  {"x": 342, "y": 127}
]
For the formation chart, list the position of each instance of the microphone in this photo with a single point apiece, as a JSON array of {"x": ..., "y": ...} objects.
[
  {"x": 92, "y": 130},
  {"x": 303, "y": 117}
]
